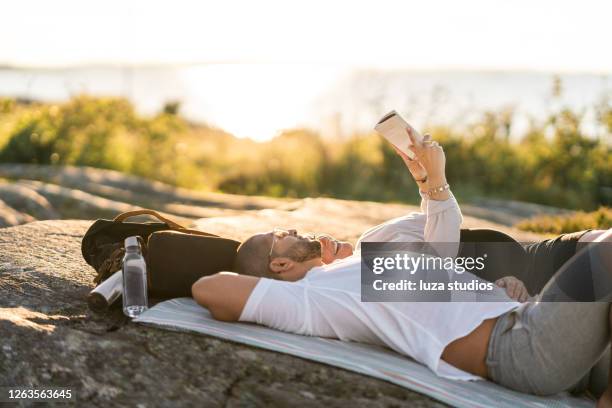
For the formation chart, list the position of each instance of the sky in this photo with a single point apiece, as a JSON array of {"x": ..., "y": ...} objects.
[
  {"x": 434, "y": 34},
  {"x": 273, "y": 64}
]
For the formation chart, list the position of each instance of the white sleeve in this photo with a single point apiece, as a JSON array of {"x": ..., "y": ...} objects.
[
  {"x": 443, "y": 225},
  {"x": 440, "y": 221},
  {"x": 408, "y": 228},
  {"x": 279, "y": 305},
  {"x": 424, "y": 199}
]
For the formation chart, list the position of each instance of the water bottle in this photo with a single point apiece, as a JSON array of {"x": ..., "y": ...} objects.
[{"x": 134, "y": 279}]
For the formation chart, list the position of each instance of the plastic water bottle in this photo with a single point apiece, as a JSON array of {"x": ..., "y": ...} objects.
[{"x": 134, "y": 279}]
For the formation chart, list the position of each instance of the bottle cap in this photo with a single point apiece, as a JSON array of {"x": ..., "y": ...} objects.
[{"x": 132, "y": 242}]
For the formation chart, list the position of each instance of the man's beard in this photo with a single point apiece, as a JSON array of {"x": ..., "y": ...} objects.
[{"x": 305, "y": 251}]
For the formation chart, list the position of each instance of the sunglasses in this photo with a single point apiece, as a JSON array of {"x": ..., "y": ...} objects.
[{"x": 279, "y": 233}]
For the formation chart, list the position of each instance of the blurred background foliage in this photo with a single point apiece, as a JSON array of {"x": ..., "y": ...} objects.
[
  {"x": 553, "y": 163},
  {"x": 577, "y": 221}
]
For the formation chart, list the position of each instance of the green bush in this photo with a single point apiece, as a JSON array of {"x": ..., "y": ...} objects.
[
  {"x": 554, "y": 163},
  {"x": 578, "y": 221}
]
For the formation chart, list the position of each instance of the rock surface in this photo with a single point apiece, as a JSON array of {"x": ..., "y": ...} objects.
[
  {"x": 48, "y": 337},
  {"x": 28, "y": 200},
  {"x": 87, "y": 193},
  {"x": 9, "y": 216}
]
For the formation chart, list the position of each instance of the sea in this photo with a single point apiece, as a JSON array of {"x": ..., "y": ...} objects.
[{"x": 260, "y": 100}]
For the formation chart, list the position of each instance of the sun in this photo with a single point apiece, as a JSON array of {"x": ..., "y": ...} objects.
[{"x": 255, "y": 100}]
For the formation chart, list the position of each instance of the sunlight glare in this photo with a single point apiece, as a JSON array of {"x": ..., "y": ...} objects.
[{"x": 256, "y": 100}]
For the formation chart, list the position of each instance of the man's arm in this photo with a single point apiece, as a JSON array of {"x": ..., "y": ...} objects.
[{"x": 224, "y": 294}]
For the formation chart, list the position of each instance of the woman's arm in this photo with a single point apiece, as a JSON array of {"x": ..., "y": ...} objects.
[
  {"x": 440, "y": 218},
  {"x": 515, "y": 288},
  {"x": 443, "y": 216},
  {"x": 443, "y": 224},
  {"x": 418, "y": 172},
  {"x": 431, "y": 158}
]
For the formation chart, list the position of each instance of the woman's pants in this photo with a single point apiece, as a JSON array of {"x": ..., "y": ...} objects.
[
  {"x": 561, "y": 342},
  {"x": 533, "y": 263}
]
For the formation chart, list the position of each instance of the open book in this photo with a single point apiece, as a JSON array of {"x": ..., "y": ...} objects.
[{"x": 394, "y": 128}]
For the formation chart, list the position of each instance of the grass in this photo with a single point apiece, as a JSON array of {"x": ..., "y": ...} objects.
[{"x": 560, "y": 224}]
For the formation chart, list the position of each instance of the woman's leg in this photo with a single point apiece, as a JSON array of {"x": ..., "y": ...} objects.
[
  {"x": 590, "y": 236},
  {"x": 546, "y": 257},
  {"x": 533, "y": 263},
  {"x": 547, "y": 347},
  {"x": 599, "y": 373},
  {"x": 505, "y": 256},
  {"x": 595, "y": 236}
]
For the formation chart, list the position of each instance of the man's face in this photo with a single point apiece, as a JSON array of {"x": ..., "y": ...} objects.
[{"x": 307, "y": 247}]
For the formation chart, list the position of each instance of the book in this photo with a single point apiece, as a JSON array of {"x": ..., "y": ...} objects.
[{"x": 394, "y": 128}]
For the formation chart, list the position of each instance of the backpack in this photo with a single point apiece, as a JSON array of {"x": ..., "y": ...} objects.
[{"x": 176, "y": 256}]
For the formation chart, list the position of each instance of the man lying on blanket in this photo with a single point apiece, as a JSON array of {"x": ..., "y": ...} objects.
[{"x": 311, "y": 286}]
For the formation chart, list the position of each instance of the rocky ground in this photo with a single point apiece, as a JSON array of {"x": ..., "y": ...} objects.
[{"x": 48, "y": 337}]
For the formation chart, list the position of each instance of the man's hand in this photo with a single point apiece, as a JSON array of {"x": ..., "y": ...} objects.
[{"x": 515, "y": 288}]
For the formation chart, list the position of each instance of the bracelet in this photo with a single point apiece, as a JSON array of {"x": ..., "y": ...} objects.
[{"x": 435, "y": 190}]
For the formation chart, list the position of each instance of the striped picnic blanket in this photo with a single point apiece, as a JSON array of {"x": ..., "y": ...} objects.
[{"x": 184, "y": 314}]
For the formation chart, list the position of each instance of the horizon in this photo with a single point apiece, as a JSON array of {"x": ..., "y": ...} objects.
[
  {"x": 259, "y": 101},
  {"x": 407, "y": 69}
]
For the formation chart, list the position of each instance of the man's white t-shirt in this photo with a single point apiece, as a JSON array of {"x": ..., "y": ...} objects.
[{"x": 327, "y": 301}]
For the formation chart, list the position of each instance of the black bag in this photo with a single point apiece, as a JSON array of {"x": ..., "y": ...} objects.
[
  {"x": 176, "y": 260},
  {"x": 179, "y": 256}
]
